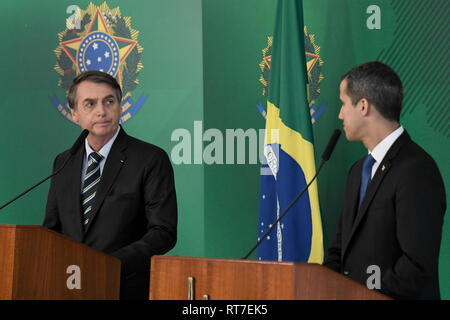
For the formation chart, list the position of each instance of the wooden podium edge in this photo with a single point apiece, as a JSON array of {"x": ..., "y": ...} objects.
[
  {"x": 324, "y": 283},
  {"x": 19, "y": 237}
]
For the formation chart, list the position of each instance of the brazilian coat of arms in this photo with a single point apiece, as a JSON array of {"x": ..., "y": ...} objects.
[
  {"x": 314, "y": 68},
  {"x": 100, "y": 38}
]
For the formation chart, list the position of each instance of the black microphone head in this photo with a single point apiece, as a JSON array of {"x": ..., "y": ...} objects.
[
  {"x": 331, "y": 144},
  {"x": 79, "y": 141}
]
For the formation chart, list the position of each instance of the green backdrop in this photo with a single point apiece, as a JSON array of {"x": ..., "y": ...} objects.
[{"x": 201, "y": 62}]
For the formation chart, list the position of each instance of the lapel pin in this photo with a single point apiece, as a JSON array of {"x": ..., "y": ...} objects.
[
  {"x": 383, "y": 167},
  {"x": 121, "y": 161}
]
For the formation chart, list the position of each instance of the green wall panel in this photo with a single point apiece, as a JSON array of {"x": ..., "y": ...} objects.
[{"x": 201, "y": 65}]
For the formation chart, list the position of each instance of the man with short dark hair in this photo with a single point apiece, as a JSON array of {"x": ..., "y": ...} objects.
[
  {"x": 394, "y": 200},
  {"x": 117, "y": 193}
]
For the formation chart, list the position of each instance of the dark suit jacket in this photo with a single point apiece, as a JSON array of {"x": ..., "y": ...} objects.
[
  {"x": 398, "y": 226},
  {"x": 135, "y": 208}
]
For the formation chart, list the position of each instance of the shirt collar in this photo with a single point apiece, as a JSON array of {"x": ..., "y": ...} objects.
[
  {"x": 104, "y": 151},
  {"x": 383, "y": 147}
]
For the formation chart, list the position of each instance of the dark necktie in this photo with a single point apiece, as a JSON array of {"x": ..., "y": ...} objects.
[
  {"x": 90, "y": 182},
  {"x": 366, "y": 176}
]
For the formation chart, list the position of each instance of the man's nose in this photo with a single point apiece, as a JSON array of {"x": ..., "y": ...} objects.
[
  {"x": 341, "y": 117},
  {"x": 100, "y": 109}
]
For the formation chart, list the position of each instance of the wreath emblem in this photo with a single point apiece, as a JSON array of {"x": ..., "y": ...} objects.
[
  {"x": 100, "y": 38},
  {"x": 314, "y": 67}
]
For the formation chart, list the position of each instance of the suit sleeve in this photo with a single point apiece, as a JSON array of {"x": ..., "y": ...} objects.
[
  {"x": 51, "y": 219},
  {"x": 161, "y": 214},
  {"x": 420, "y": 206},
  {"x": 332, "y": 257}
]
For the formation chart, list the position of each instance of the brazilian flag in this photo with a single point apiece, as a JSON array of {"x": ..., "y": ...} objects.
[{"x": 289, "y": 149}]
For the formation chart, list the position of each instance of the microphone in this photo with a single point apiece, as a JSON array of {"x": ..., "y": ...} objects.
[
  {"x": 79, "y": 142},
  {"x": 73, "y": 150},
  {"x": 325, "y": 157},
  {"x": 331, "y": 144}
]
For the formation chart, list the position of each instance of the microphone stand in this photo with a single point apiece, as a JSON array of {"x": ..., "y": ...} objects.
[
  {"x": 74, "y": 148},
  {"x": 284, "y": 213},
  {"x": 325, "y": 157}
]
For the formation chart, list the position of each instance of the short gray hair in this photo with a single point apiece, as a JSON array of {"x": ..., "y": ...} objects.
[{"x": 93, "y": 76}]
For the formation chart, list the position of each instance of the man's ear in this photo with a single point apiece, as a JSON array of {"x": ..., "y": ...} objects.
[{"x": 364, "y": 106}]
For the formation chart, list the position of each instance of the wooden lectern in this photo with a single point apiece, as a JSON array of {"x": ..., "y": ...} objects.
[
  {"x": 183, "y": 278},
  {"x": 36, "y": 263}
]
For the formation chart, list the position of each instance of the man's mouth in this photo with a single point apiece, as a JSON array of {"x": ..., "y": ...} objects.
[{"x": 102, "y": 123}]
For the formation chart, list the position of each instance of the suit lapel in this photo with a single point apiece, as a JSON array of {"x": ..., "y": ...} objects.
[
  {"x": 374, "y": 184},
  {"x": 112, "y": 167},
  {"x": 351, "y": 202},
  {"x": 73, "y": 179},
  {"x": 372, "y": 188}
]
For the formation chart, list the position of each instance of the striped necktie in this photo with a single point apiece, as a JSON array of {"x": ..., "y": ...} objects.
[{"x": 90, "y": 182}]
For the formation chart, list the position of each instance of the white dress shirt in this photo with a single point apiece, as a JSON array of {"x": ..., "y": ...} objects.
[
  {"x": 104, "y": 151},
  {"x": 383, "y": 147}
]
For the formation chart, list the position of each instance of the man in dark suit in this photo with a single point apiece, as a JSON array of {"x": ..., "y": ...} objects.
[
  {"x": 117, "y": 193},
  {"x": 394, "y": 200}
]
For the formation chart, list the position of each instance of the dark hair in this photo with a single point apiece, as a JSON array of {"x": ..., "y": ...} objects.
[
  {"x": 379, "y": 84},
  {"x": 94, "y": 76}
]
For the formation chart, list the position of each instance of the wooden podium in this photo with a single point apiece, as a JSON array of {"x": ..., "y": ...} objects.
[
  {"x": 183, "y": 278},
  {"x": 34, "y": 264}
]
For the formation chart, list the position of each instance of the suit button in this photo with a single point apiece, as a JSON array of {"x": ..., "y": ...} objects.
[{"x": 346, "y": 272}]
